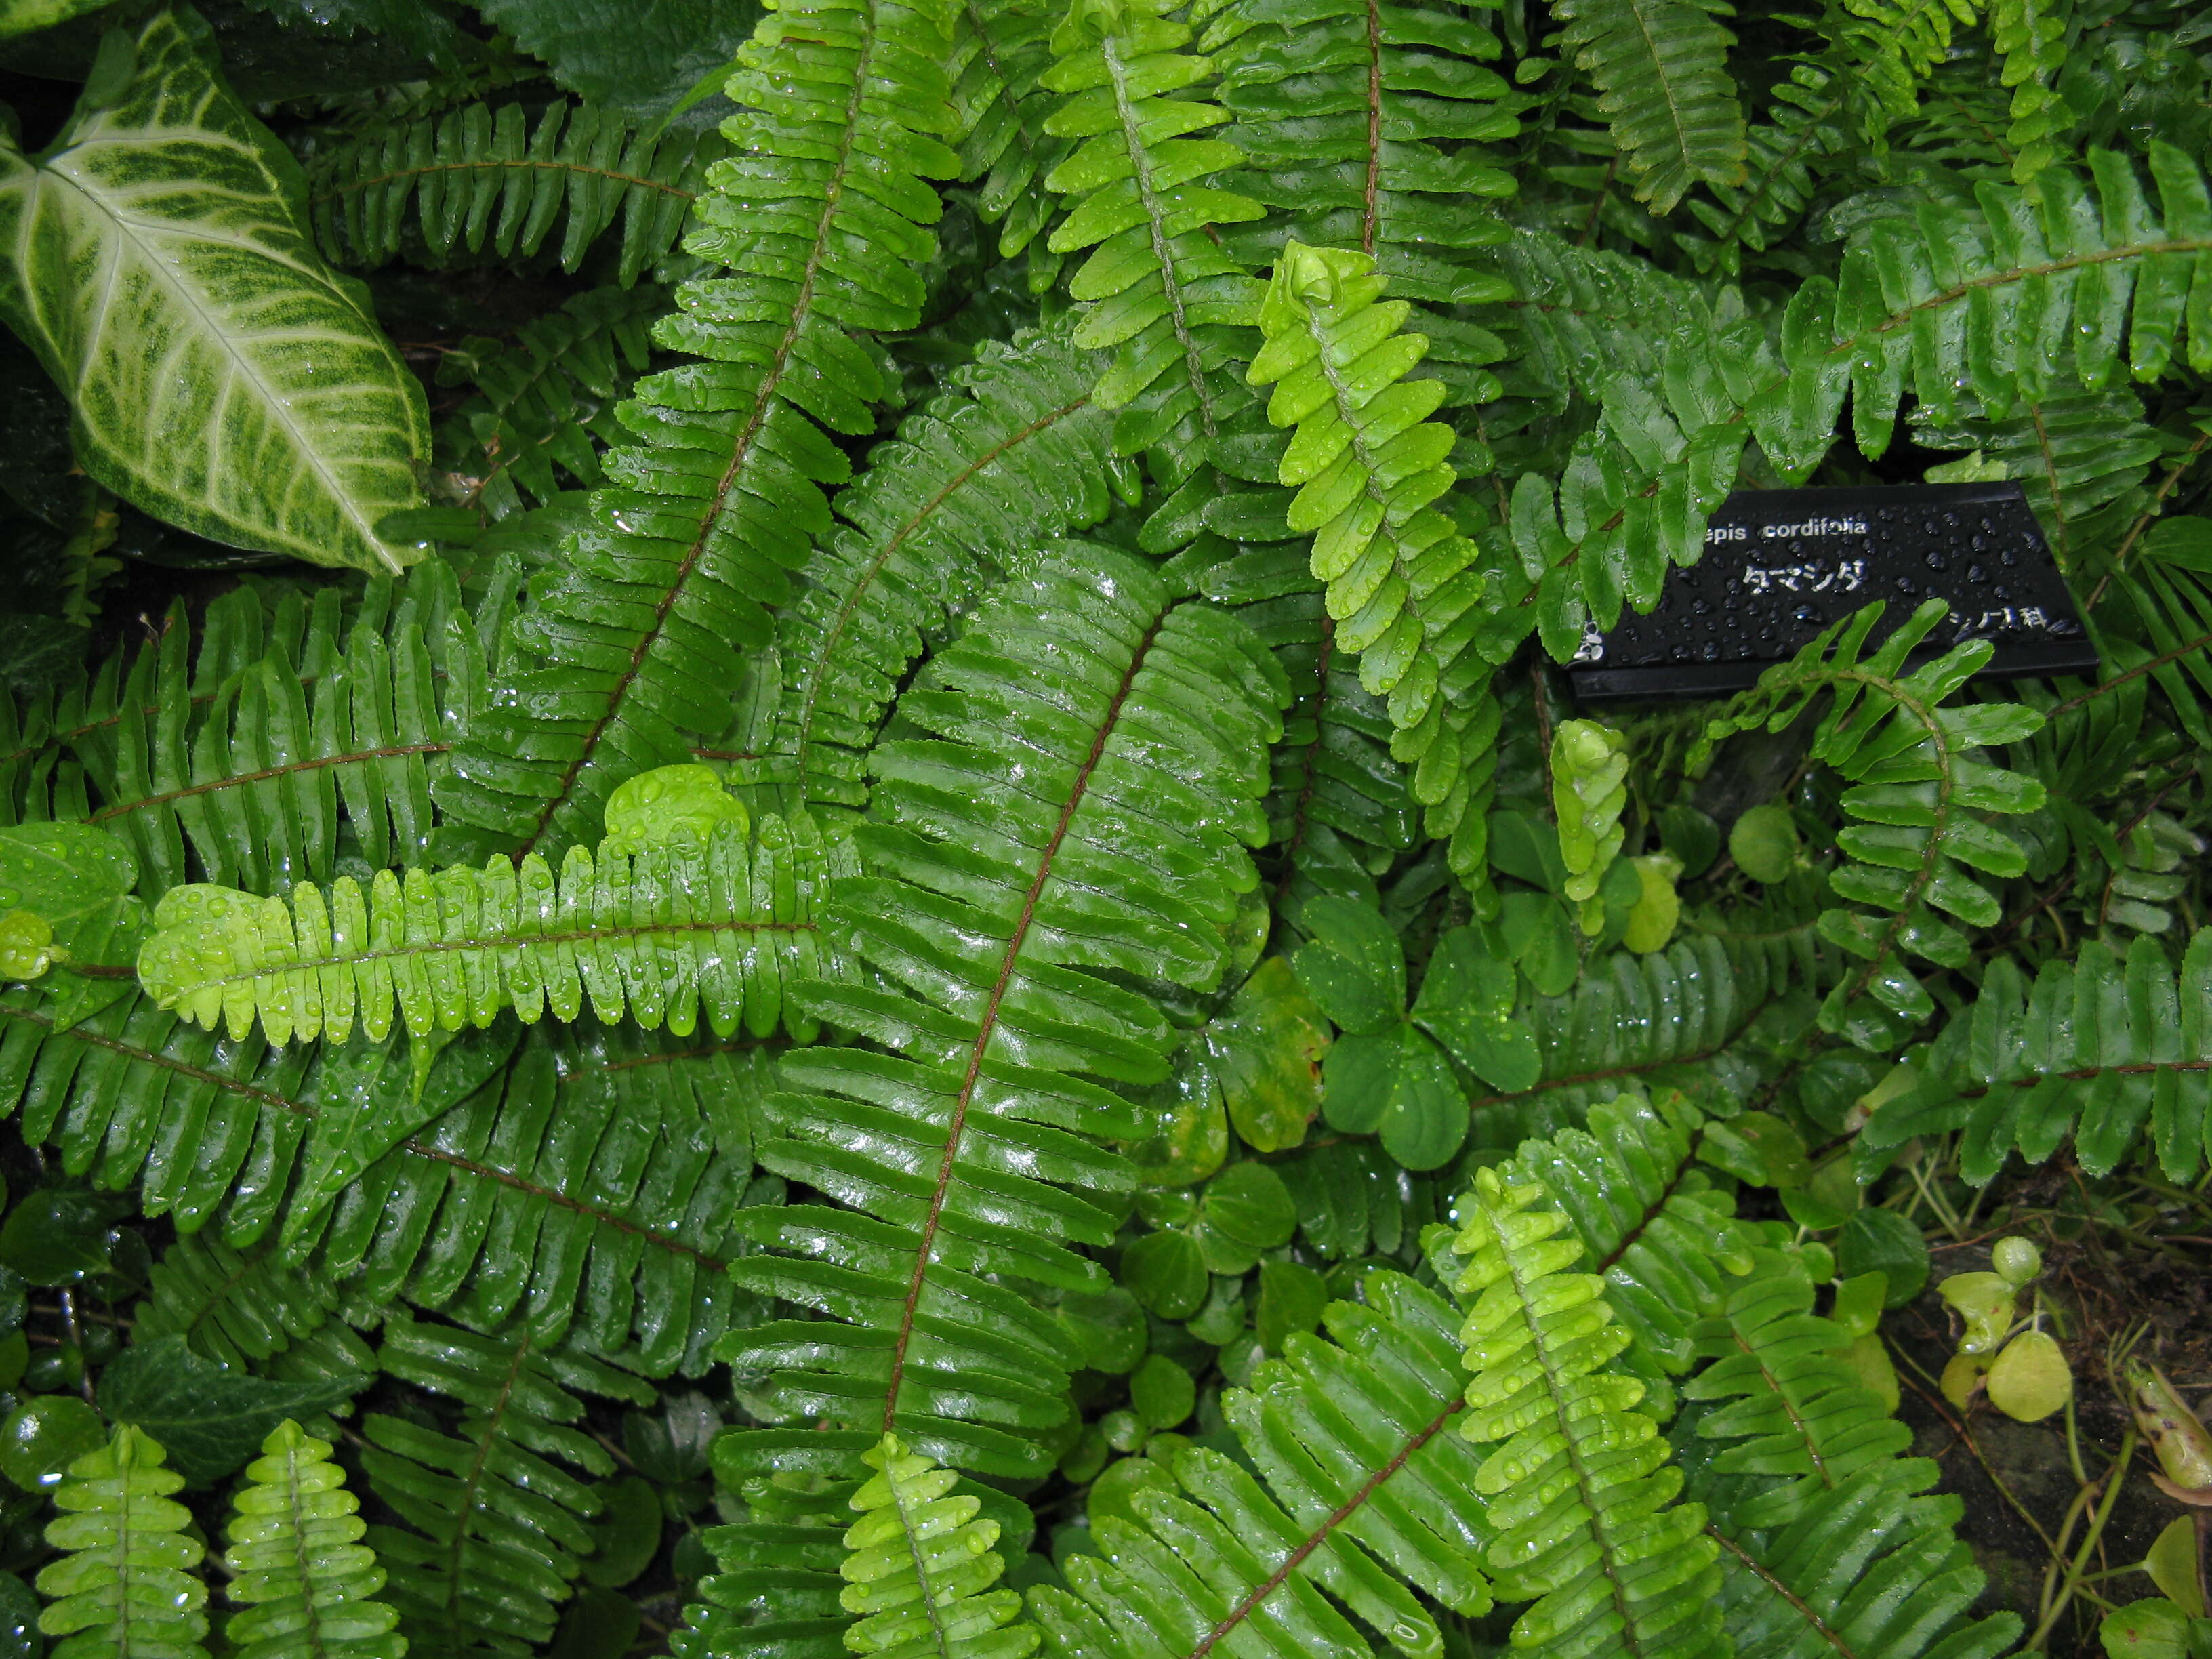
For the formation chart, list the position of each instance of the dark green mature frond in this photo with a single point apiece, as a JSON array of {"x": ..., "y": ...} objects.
[
  {"x": 2080, "y": 459},
  {"x": 1160, "y": 289},
  {"x": 2102, "y": 1046},
  {"x": 779, "y": 1590},
  {"x": 918, "y": 1568},
  {"x": 590, "y": 1187},
  {"x": 482, "y": 177},
  {"x": 1700, "y": 1016},
  {"x": 1580, "y": 316},
  {"x": 1580, "y": 1494},
  {"x": 1366, "y": 1491},
  {"x": 1806, "y": 122},
  {"x": 1081, "y": 811},
  {"x": 977, "y": 485},
  {"x": 248, "y": 1310},
  {"x": 278, "y": 735},
  {"x": 1339, "y": 107},
  {"x": 307, "y": 1584},
  {"x": 1354, "y": 1199},
  {"x": 1798, "y": 1417},
  {"x": 1918, "y": 796},
  {"x": 1893, "y": 47},
  {"x": 1825, "y": 1546},
  {"x": 632, "y": 642},
  {"x": 1660, "y": 69},
  {"x": 1001, "y": 49},
  {"x": 2076, "y": 285},
  {"x": 494, "y": 1513},
  {"x": 1368, "y": 466},
  {"x": 666, "y": 925},
  {"x": 545, "y": 402}
]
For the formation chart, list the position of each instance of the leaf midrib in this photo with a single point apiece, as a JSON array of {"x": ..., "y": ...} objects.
[{"x": 989, "y": 1023}]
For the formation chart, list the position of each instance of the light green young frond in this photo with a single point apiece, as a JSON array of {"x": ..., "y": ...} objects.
[
  {"x": 305, "y": 1582},
  {"x": 681, "y": 912},
  {"x": 919, "y": 1570},
  {"x": 127, "y": 1586},
  {"x": 1579, "y": 1486},
  {"x": 1370, "y": 470}
]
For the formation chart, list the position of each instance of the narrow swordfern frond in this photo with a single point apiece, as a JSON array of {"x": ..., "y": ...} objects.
[
  {"x": 663, "y": 925},
  {"x": 1339, "y": 107},
  {"x": 125, "y": 1586},
  {"x": 306, "y": 1583},
  {"x": 545, "y": 403},
  {"x": 966, "y": 1158},
  {"x": 978, "y": 483},
  {"x": 588, "y": 1190},
  {"x": 1368, "y": 466},
  {"x": 494, "y": 1509},
  {"x": 918, "y": 1568},
  {"x": 630, "y": 644},
  {"x": 248, "y": 1309},
  {"x": 491, "y": 178},
  {"x": 1660, "y": 68},
  {"x": 1366, "y": 1491},
  {"x": 1578, "y": 1487}
]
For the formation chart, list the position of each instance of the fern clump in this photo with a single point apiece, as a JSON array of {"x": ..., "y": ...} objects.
[{"x": 813, "y": 841}]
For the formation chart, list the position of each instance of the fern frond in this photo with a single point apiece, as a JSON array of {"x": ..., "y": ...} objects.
[
  {"x": 1799, "y": 1417},
  {"x": 1582, "y": 315},
  {"x": 1895, "y": 46},
  {"x": 1667, "y": 1244},
  {"x": 127, "y": 1584},
  {"x": 2103, "y": 1047},
  {"x": 1339, "y": 107},
  {"x": 1916, "y": 846},
  {"x": 668, "y": 920},
  {"x": 1692, "y": 1017},
  {"x": 260, "y": 746},
  {"x": 2081, "y": 459},
  {"x": 2076, "y": 284},
  {"x": 1806, "y": 122},
  {"x": 482, "y": 177},
  {"x": 544, "y": 400},
  {"x": 1826, "y": 1545},
  {"x": 305, "y": 1580},
  {"x": 1660, "y": 69},
  {"x": 977, "y": 483},
  {"x": 248, "y": 1310},
  {"x": 779, "y": 1590},
  {"x": 494, "y": 1514},
  {"x": 590, "y": 1189},
  {"x": 1365, "y": 1492},
  {"x": 1001, "y": 49},
  {"x": 632, "y": 639},
  {"x": 986, "y": 910},
  {"x": 919, "y": 1567},
  {"x": 1368, "y": 464},
  {"x": 1353, "y": 1199},
  {"x": 1580, "y": 1494}
]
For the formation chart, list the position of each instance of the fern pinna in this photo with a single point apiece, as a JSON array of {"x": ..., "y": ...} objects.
[{"x": 925, "y": 949}]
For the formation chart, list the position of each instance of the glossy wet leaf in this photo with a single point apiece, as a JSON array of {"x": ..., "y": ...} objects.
[
  {"x": 1292, "y": 1297},
  {"x": 1399, "y": 1086},
  {"x": 1191, "y": 1136},
  {"x": 2171, "y": 1561},
  {"x": 1249, "y": 1202},
  {"x": 1266, "y": 1048},
  {"x": 1879, "y": 1240},
  {"x": 1466, "y": 1003},
  {"x": 42, "y": 1438},
  {"x": 1109, "y": 1325},
  {"x": 220, "y": 375},
  {"x": 1764, "y": 843},
  {"x": 1352, "y": 965},
  {"x": 627, "y": 1535},
  {"x": 1164, "y": 1271},
  {"x": 1162, "y": 1392},
  {"x": 58, "y": 1234},
  {"x": 210, "y": 1418}
]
